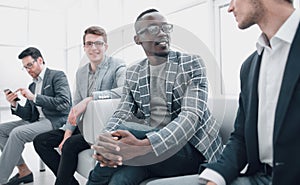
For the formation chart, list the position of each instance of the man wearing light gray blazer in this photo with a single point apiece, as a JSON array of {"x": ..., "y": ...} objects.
[
  {"x": 46, "y": 108},
  {"x": 101, "y": 78}
]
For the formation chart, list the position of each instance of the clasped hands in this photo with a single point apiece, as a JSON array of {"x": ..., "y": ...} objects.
[{"x": 113, "y": 148}]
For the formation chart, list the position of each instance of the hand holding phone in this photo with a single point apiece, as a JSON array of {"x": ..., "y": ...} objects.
[{"x": 8, "y": 91}]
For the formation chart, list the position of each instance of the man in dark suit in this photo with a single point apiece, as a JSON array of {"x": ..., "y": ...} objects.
[
  {"x": 265, "y": 142},
  {"x": 165, "y": 95},
  {"x": 267, "y": 126},
  {"x": 47, "y": 106}
]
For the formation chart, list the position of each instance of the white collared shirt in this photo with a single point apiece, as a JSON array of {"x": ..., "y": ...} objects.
[
  {"x": 38, "y": 89},
  {"x": 271, "y": 72},
  {"x": 270, "y": 78}
]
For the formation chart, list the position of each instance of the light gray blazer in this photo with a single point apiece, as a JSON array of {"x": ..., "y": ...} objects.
[{"x": 109, "y": 84}]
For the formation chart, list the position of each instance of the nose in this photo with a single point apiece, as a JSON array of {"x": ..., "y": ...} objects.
[
  {"x": 161, "y": 32},
  {"x": 230, "y": 7},
  {"x": 94, "y": 46}
]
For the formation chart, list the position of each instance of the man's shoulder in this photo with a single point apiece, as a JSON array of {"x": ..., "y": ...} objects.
[
  {"x": 83, "y": 68},
  {"x": 54, "y": 72},
  {"x": 249, "y": 61},
  {"x": 115, "y": 61},
  {"x": 137, "y": 64},
  {"x": 181, "y": 57},
  {"x": 187, "y": 62}
]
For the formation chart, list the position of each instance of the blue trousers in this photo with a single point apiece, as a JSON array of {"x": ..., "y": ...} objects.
[
  {"x": 186, "y": 161},
  {"x": 257, "y": 179}
]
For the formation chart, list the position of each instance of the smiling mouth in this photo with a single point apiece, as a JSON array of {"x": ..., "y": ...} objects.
[{"x": 161, "y": 43}]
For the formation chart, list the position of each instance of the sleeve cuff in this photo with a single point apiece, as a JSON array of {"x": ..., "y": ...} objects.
[
  {"x": 100, "y": 95},
  {"x": 14, "y": 108},
  {"x": 211, "y": 175},
  {"x": 34, "y": 99},
  {"x": 68, "y": 126}
]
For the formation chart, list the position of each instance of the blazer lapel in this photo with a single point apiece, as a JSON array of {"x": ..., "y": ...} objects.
[
  {"x": 101, "y": 73},
  {"x": 252, "y": 109},
  {"x": 171, "y": 73},
  {"x": 33, "y": 107},
  {"x": 84, "y": 83},
  {"x": 45, "y": 80},
  {"x": 144, "y": 87},
  {"x": 289, "y": 81}
]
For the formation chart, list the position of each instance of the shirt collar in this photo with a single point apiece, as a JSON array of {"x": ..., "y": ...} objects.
[
  {"x": 41, "y": 75},
  {"x": 103, "y": 63},
  {"x": 99, "y": 66},
  {"x": 285, "y": 33}
]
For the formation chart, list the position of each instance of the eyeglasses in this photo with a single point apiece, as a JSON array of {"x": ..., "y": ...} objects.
[
  {"x": 97, "y": 44},
  {"x": 29, "y": 65},
  {"x": 154, "y": 29}
]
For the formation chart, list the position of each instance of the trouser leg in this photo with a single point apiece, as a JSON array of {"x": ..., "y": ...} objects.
[
  {"x": 101, "y": 175},
  {"x": 184, "y": 162},
  {"x": 45, "y": 145},
  {"x": 69, "y": 159},
  {"x": 5, "y": 129},
  {"x": 257, "y": 179},
  {"x": 12, "y": 151}
]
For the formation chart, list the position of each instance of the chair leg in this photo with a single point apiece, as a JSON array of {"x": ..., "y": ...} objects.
[{"x": 42, "y": 166}]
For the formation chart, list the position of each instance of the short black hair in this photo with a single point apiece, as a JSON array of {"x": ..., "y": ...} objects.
[
  {"x": 146, "y": 12},
  {"x": 31, "y": 51}
]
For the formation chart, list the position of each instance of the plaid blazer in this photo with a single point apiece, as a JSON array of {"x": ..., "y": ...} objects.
[{"x": 186, "y": 92}]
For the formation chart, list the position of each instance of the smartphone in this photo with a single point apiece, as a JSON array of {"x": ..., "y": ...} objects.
[{"x": 9, "y": 91}]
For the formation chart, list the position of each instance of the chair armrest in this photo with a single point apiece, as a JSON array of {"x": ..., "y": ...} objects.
[{"x": 96, "y": 116}]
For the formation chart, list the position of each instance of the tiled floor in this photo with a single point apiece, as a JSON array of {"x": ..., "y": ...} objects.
[{"x": 41, "y": 178}]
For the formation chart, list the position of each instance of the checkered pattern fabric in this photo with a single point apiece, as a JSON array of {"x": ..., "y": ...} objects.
[{"x": 186, "y": 92}]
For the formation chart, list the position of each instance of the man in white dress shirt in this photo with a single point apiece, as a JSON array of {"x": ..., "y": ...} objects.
[
  {"x": 48, "y": 102},
  {"x": 266, "y": 131}
]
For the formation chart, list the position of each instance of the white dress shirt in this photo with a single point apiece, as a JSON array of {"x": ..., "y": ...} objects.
[
  {"x": 275, "y": 54},
  {"x": 38, "y": 89}
]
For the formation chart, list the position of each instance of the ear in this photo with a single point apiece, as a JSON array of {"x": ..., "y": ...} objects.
[
  {"x": 106, "y": 46},
  {"x": 39, "y": 60},
  {"x": 137, "y": 40}
]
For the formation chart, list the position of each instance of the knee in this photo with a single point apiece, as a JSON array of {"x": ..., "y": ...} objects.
[
  {"x": 18, "y": 134},
  {"x": 69, "y": 146},
  {"x": 95, "y": 178},
  {"x": 121, "y": 179},
  {"x": 2, "y": 133},
  {"x": 39, "y": 141}
]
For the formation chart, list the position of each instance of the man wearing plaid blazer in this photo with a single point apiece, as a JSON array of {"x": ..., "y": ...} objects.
[{"x": 162, "y": 127}]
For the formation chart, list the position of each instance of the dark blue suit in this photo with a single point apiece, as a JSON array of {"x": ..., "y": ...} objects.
[{"x": 242, "y": 147}]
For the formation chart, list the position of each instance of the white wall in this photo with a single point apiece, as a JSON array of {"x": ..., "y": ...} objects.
[
  {"x": 28, "y": 23},
  {"x": 56, "y": 27}
]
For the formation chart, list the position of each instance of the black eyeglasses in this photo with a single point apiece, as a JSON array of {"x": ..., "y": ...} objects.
[
  {"x": 97, "y": 44},
  {"x": 154, "y": 29},
  {"x": 29, "y": 65}
]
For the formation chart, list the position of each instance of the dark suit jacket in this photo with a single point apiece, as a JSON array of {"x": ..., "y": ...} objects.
[
  {"x": 55, "y": 100},
  {"x": 242, "y": 147}
]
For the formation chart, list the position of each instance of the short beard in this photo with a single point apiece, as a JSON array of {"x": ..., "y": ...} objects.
[
  {"x": 163, "y": 54},
  {"x": 255, "y": 16}
]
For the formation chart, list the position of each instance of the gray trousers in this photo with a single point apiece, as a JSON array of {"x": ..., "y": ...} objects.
[{"x": 13, "y": 136}]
